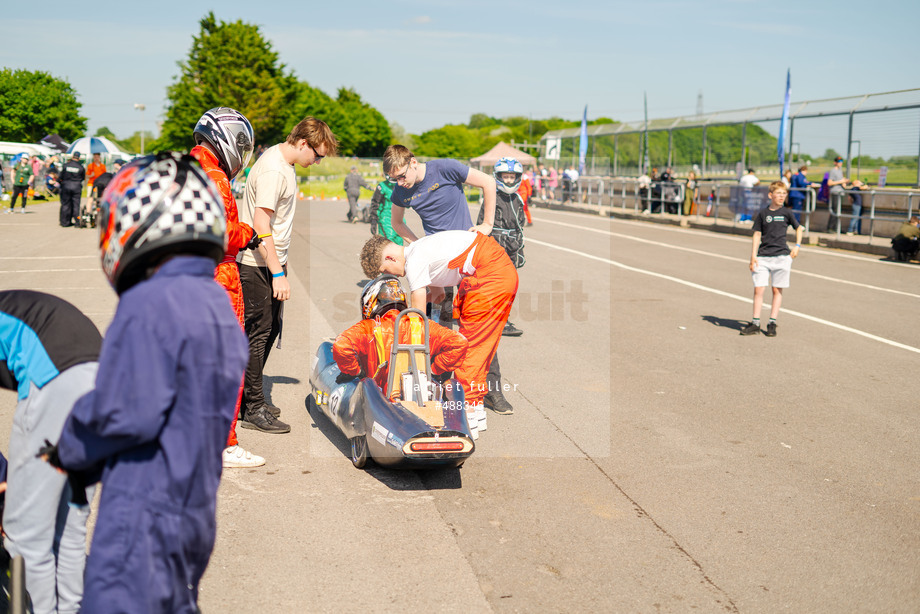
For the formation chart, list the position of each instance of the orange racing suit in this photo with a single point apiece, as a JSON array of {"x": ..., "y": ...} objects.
[
  {"x": 239, "y": 235},
  {"x": 525, "y": 190},
  {"x": 482, "y": 305},
  {"x": 357, "y": 350}
]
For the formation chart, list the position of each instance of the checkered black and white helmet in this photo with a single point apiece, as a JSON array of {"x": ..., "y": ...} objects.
[
  {"x": 156, "y": 206},
  {"x": 230, "y": 136}
]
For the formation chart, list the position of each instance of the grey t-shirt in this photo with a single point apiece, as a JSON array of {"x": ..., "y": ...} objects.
[{"x": 836, "y": 175}]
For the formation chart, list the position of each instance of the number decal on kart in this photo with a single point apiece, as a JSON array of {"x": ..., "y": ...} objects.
[{"x": 334, "y": 400}]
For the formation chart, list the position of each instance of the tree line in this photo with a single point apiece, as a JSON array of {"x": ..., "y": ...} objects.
[{"x": 233, "y": 64}]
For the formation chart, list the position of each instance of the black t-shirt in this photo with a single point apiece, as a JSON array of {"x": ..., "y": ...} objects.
[{"x": 772, "y": 225}]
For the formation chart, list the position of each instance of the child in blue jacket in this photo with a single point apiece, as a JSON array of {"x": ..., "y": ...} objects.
[{"x": 169, "y": 374}]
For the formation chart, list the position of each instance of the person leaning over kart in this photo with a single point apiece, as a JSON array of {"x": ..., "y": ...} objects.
[
  {"x": 487, "y": 283},
  {"x": 48, "y": 354},
  {"x": 365, "y": 347},
  {"x": 224, "y": 140},
  {"x": 380, "y": 214},
  {"x": 169, "y": 376}
]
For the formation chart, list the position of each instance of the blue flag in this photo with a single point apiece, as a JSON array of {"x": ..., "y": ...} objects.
[
  {"x": 782, "y": 127},
  {"x": 583, "y": 142}
]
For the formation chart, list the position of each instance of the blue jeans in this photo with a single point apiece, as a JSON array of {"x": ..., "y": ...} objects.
[
  {"x": 856, "y": 221},
  {"x": 40, "y": 525}
]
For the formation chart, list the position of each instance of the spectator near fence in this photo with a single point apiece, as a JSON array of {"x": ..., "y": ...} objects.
[
  {"x": 691, "y": 194},
  {"x": 797, "y": 191},
  {"x": 748, "y": 181},
  {"x": 836, "y": 182},
  {"x": 856, "y": 200}
]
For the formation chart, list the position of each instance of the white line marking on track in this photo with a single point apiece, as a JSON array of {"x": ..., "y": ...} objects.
[
  {"x": 716, "y": 235},
  {"x": 49, "y": 270},
  {"x": 21, "y": 258},
  {"x": 730, "y": 258},
  {"x": 743, "y": 299}
]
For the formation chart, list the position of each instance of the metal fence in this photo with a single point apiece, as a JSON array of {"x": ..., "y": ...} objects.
[
  {"x": 883, "y": 211},
  {"x": 884, "y": 125}
]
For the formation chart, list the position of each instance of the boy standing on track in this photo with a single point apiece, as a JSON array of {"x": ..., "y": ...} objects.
[{"x": 771, "y": 258}]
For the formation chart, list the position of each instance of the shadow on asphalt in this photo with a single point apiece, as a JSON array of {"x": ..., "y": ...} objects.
[
  {"x": 730, "y": 323},
  {"x": 269, "y": 381},
  {"x": 394, "y": 479}
]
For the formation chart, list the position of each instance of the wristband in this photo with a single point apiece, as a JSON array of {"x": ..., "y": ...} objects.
[
  {"x": 267, "y": 234},
  {"x": 278, "y": 274},
  {"x": 798, "y": 245}
]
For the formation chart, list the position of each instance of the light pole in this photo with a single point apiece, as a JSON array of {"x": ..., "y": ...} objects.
[
  {"x": 141, "y": 107},
  {"x": 858, "y": 154}
]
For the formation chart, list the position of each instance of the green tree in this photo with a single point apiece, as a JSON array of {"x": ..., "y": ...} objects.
[
  {"x": 449, "y": 142},
  {"x": 105, "y": 132},
  {"x": 33, "y": 104},
  {"x": 365, "y": 131},
  {"x": 232, "y": 65}
]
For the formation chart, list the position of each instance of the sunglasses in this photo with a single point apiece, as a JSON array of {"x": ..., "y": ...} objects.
[{"x": 315, "y": 153}]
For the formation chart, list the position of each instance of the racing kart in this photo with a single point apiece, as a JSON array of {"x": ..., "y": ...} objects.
[
  {"x": 415, "y": 423},
  {"x": 88, "y": 212}
]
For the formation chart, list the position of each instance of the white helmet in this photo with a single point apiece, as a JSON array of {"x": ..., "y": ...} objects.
[
  {"x": 230, "y": 135},
  {"x": 508, "y": 165},
  {"x": 156, "y": 206}
]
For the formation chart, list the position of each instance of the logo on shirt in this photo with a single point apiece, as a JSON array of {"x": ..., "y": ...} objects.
[
  {"x": 769, "y": 219},
  {"x": 434, "y": 187}
]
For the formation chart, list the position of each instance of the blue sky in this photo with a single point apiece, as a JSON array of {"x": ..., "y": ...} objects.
[{"x": 424, "y": 64}]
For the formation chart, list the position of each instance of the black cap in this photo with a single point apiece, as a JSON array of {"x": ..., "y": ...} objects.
[{"x": 76, "y": 155}]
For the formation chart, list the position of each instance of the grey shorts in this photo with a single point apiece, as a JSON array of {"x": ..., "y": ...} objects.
[{"x": 772, "y": 271}]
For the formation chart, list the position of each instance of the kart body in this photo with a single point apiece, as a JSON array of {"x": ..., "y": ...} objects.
[{"x": 400, "y": 430}]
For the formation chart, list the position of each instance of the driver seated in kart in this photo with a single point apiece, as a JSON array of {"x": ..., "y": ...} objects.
[{"x": 364, "y": 349}]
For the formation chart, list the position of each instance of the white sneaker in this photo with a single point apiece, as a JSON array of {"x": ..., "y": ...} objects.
[
  {"x": 473, "y": 422},
  {"x": 236, "y": 457},
  {"x": 482, "y": 417}
]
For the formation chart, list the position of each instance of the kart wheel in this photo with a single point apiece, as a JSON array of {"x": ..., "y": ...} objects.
[{"x": 359, "y": 451}]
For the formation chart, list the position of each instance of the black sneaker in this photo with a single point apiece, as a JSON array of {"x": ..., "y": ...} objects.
[
  {"x": 511, "y": 331},
  {"x": 771, "y": 329},
  {"x": 274, "y": 411},
  {"x": 497, "y": 402},
  {"x": 751, "y": 329},
  {"x": 262, "y": 420}
]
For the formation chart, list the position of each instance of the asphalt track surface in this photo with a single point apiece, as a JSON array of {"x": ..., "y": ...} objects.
[{"x": 656, "y": 460}]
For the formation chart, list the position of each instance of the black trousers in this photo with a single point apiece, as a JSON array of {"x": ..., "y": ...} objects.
[
  {"x": 70, "y": 206},
  {"x": 262, "y": 323},
  {"x": 17, "y": 190}
]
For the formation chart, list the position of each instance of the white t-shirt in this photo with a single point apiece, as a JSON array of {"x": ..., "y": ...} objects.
[
  {"x": 427, "y": 259},
  {"x": 748, "y": 181},
  {"x": 271, "y": 185}
]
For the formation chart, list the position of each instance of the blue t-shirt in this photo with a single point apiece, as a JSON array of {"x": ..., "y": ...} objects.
[{"x": 438, "y": 198}]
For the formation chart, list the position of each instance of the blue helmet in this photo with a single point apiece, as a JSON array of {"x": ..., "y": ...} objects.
[{"x": 508, "y": 165}]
